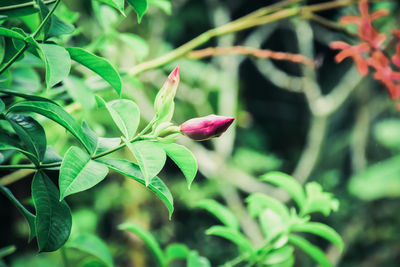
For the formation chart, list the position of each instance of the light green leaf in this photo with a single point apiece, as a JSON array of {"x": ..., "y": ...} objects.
[
  {"x": 272, "y": 224},
  {"x": 132, "y": 170},
  {"x": 140, "y": 7},
  {"x": 31, "y": 134},
  {"x": 117, "y": 4},
  {"x": 125, "y": 113},
  {"x": 78, "y": 172},
  {"x": 176, "y": 251},
  {"x": 10, "y": 33},
  {"x": 53, "y": 218},
  {"x": 316, "y": 253},
  {"x": 279, "y": 255},
  {"x": 92, "y": 245},
  {"x": 164, "y": 5},
  {"x": 98, "y": 65},
  {"x": 319, "y": 201},
  {"x": 195, "y": 260},
  {"x": 147, "y": 238},
  {"x": 288, "y": 183},
  {"x": 232, "y": 235},
  {"x": 257, "y": 203},
  {"x": 220, "y": 211},
  {"x": 183, "y": 158},
  {"x": 138, "y": 45},
  {"x": 60, "y": 116},
  {"x": 57, "y": 62},
  {"x": 321, "y": 230},
  {"x": 150, "y": 156},
  {"x": 80, "y": 92},
  {"x": 30, "y": 218},
  {"x": 104, "y": 144},
  {"x": 7, "y": 251}
]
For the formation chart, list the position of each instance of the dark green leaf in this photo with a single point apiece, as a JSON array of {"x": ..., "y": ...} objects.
[
  {"x": 147, "y": 238},
  {"x": 30, "y": 218},
  {"x": 10, "y": 33},
  {"x": 98, "y": 65},
  {"x": 132, "y": 170},
  {"x": 78, "y": 172},
  {"x": 9, "y": 143},
  {"x": 221, "y": 212},
  {"x": 316, "y": 253},
  {"x": 92, "y": 245},
  {"x": 2, "y": 106},
  {"x": 183, "y": 158},
  {"x": 140, "y": 7},
  {"x": 26, "y": 96},
  {"x": 60, "y": 116},
  {"x": 53, "y": 218},
  {"x": 232, "y": 235}
]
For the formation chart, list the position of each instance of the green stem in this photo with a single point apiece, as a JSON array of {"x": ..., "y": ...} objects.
[
  {"x": 44, "y": 21},
  {"x": 23, "y": 5},
  {"x": 14, "y": 58},
  {"x": 18, "y": 166}
]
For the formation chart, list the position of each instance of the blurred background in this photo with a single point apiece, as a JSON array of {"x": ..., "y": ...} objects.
[{"x": 348, "y": 141}]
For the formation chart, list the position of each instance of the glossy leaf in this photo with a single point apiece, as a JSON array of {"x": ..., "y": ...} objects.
[
  {"x": 132, "y": 170},
  {"x": 313, "y": 251},
  {"x": 60, "y": 116},
  {"x": 98, "y": 65},
  {"x": 31, "y": 134},
  {"x": 147, "y": 237},
  {"x": 126, "y": 115},
  {"x": 150, "y": 156},
  {"x": 117, "y": 4},
  {"x": 10, "y": 33},
  {"x": 288, "y": 183},
  {"x": 53, "y": 218},
  {"x": 104, "y": 144},
  {"x": 321, "y": 230},
  {"x": 30, "y": 218},
  {"x": 176, "y": 251},
  {"x": 183, "y": 158},
  {"x": 257, "y": 203},
  {"x": 57, "y": 62},
  {"x": 220, "y": 211},
  {"x": 93, "y": 246},
  {"x": 140, "y": 7},
  {"x": 195, "y": 260},
  {"x": 78, "y": 172},
  {"x": 232, "y": 235}
]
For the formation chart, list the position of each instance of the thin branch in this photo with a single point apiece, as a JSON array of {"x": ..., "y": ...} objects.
[{"x": 23, "y": 5}]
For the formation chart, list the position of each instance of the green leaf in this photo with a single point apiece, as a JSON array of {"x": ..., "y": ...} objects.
[
  {"x": 57, "y": 62},
  {"x": 132, "y": 170},
  {"x": 147, "y": 238},
  {"x": 93, "y": 246},
  {"x": 176, "y": 251},
  {"x": 80, "y": 92},
  {"x": 220, "y": 211},
  {"x": 7, "y": 251},
  {"x": 232, "y": 235},
  {"x": 125, "y": 113},
  {"x": 183, "y": 158},
  {"x": 60, "y": 116},
  {"x": 98, "y": 65},
  {"x": 117, "y": 4},
  {"x": 53, "y": 218},
  {"x": 2, "y": 106},
  {"x": 150, "y": 156},
  {"x": 31, "y": 134},
  {"x": 272, "y": 225},
  {"x": 104, "y": 144},
  {"x": 10, "y": 33},
  {"x": 279, "y": 255},
  {"x": 288, "y": 183},
  {"x": 195, "y": 260},
  {"x": 51, "y": 155},
  {"x": 140, "y": 7},
  {"x": 78, "y": 172},
  {"x": 9, "y": 143},
  {"x": 321, "y": 230},
  {"x": 387, "y": 132},
  {"x": 319, "y": 201},
  {"x": 26, "y": 96},
  {"x": 257, "y": 203},
  {"x": 164, "y": 5},
  {"x": 314, "y": 252},
  {"x": 30, "y": 218}
]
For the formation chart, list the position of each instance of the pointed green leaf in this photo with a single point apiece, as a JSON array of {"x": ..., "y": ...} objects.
[
  {"x": 195, "y": 260},
  {"x": 132, "y": 170},
  {"x": 26, "y": 96},
  {"x": 257, "y": 203},
  {"x": 147, "y": 237},
  {"x": 288, "y": 183},
  {"x": 78, "y": 172},
  {"x": 140, "y": 7},
  {"x": 313, "y": 251},
  {"x": 93, "y": 246},
  {"x": 321, "y": 230},
  {"x": 57, "y": 62},
  {"x": 30, "y": 218},
  {"x": 232, "y": 235},
  {"x": 117, "y": 4},
  {"x": 10, "y": 33},
  {"x": 98, "y": 65},
  {"x": 183, "y": 158},
  {"x": 125, "y": 113},
  {"x": 53, "y": 218},
  {"x": 150, "y": 156},
  {"x": 60, "y": 116},
  {"x": 9, "y": 143},
  {"x": 220, "y": 211},
  {"x": 31, "y": 134}
]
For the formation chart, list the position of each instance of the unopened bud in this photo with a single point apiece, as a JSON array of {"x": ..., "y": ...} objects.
[{"x": 207, "y": 127}]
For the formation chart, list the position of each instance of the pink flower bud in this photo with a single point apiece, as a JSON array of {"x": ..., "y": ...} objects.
[{"x": 207, "y": 127}]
